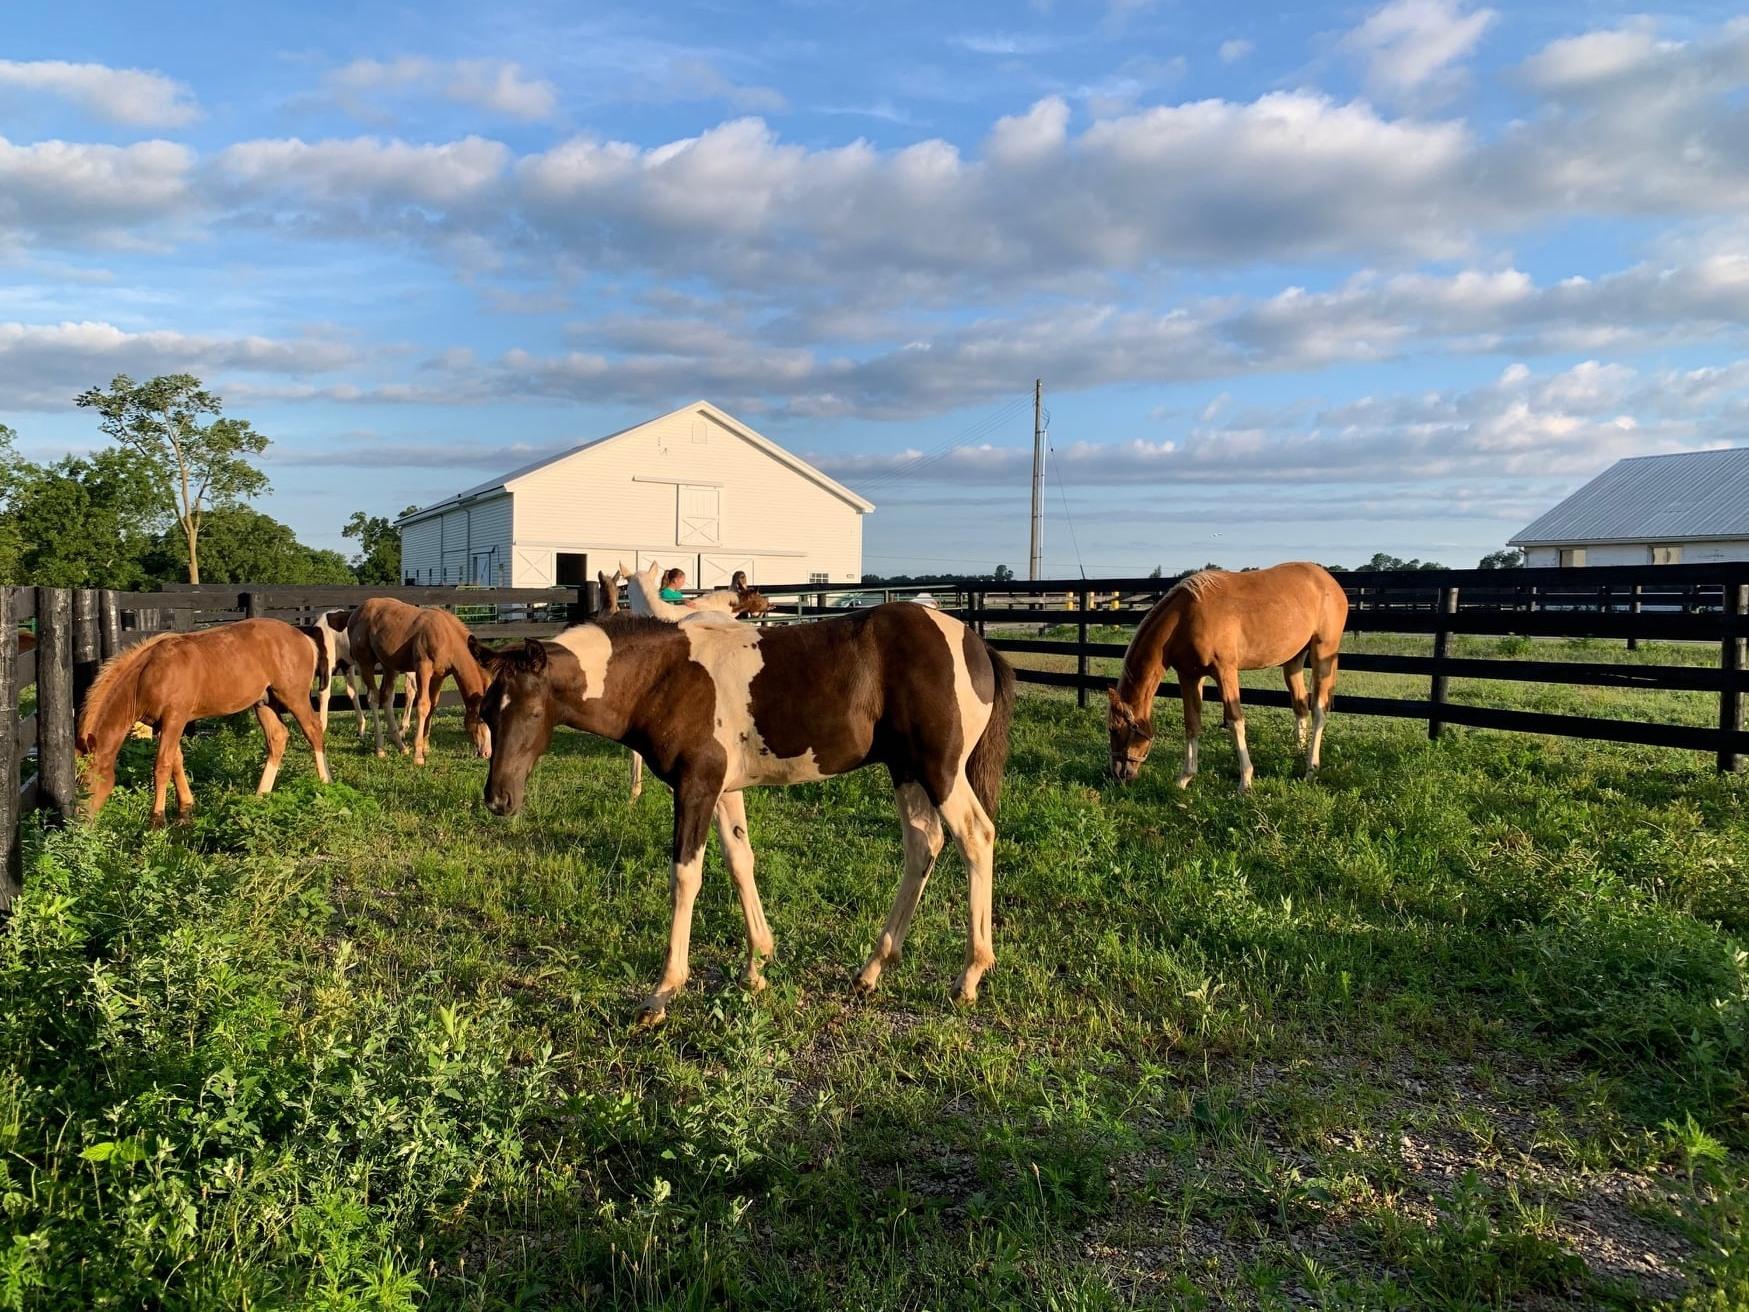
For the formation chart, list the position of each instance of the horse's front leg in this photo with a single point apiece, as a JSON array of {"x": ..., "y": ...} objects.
[
  {"x": 695, "y": 798},
  {"x": 1227, "y": 674},
  {"x": 738, "y": 855},
  {"x": 1190, "y": 688}
]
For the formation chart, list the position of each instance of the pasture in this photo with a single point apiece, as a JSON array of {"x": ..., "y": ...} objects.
[{"x": 1459, "y": 1025}]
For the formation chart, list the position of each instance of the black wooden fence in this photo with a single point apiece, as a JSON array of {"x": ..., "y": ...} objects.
[
  {"x": 75, "y": 629},
  {"x": 1665, "y": 603}
]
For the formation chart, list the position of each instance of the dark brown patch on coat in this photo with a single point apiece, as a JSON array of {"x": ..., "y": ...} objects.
[{"x": 879, "y": 689}]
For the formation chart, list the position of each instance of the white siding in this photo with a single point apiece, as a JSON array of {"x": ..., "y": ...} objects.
[
  {"x": 421, "y": 550},
  {"x": 1640, "y": 553},
  {"x": 623, "y": 499},
  {"x": 489, "y": 542}
]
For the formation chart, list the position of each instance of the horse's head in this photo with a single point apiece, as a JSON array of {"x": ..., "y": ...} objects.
[
  {"x": 1131, "y": 738},
  {"x": 519, "y": 713}
]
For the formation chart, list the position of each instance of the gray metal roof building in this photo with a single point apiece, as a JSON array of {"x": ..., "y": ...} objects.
[{"x": 1698, "y": 496}]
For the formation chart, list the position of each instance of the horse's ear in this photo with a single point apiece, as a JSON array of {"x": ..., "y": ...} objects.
[
  {"x": 536, "y": 651},
  {"x": 1111, "y": 693},
  {"x": 479, "y": 653}
]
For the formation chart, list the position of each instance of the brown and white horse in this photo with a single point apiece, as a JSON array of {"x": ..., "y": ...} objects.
[
  {"x": 329, "y": 633},
  {"x": 389, "y": 637},
  {"x": 173, "y": 678},
  {"x": 1218, "y": 623},
  {"x": 716, "y": 708}
]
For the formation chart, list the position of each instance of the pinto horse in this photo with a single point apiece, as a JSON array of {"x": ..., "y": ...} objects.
[
  {"x": 391, "y": 637},
  {"x": 329, "y": 633},
  {"x": 173, "y": 678},
  {"x": 718, "y": 707},
  {"x": 1218, "y": 623}
]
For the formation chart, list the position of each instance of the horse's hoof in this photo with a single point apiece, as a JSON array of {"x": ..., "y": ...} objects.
[
  {"x": 1184, "y": 780},
  {"x": 864, "y": 987},
  {"x": 650, "y": 1015},
  {"x": 382, "y": 755},
  {"x": 157, "y": 820}
]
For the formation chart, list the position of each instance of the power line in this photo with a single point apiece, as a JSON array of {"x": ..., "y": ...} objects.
[
  {"x": 935, "y": 455},
  {"x": 1063, "y": 496}
]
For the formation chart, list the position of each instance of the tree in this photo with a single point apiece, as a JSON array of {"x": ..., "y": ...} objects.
[
  {"x": 84, "y": 521},
  {"x": 12, "y": 470},
  {"x": 196, "y": 467},
  {"x": 1003, "y": 574},
  {"x": 241, "y": 545},
  {"x": 1383, "y": 560},
  {"x": 379, "y": 542},
  {"x": 1505, "y": 558},
  {"x": 1158, "y": 572}
]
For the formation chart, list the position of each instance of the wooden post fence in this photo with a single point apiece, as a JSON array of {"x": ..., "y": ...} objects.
[
  {"x": 10, "y": 802},
  {"x": 108, "y": 623},
  {"x": 1083, "y": 598},
  {"x": 1731, "y": 660},
  {"x": 87, "y": 643},
  {"x": 57, "y": 777},
  {"x": 1448, "y": 604}
]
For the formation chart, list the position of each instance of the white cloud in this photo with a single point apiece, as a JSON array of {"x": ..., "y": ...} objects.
[
  {"x": 497, "y": 86},
  {"x": 43, "y": 366},
  {"x": 65, "y": 193},
  {"x": 1235, "y": 49},
  {"x": 130, "y": 96},
  {"x": 1412, "y": 46}
]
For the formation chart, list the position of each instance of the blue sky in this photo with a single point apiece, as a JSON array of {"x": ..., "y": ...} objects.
[{"x": 1302, "y": 280}]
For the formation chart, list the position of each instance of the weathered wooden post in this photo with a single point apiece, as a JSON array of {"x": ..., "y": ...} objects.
[
  {"x": 1081, "y": 651},
  {"x": 57, "y": 780},
  {"x": 108, "y": 623},
  {"x": 87, "y": 643},
  {"x": 1634, "y": 607},
  {"x": 1448, "y": 604},
  {"x": 250, "y": 604},
  {"x": 1732, "y": 661},
  {"x": 9, "y": 853}
]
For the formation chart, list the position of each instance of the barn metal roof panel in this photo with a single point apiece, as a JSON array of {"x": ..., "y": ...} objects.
[{"x": 1693, "y": 495}]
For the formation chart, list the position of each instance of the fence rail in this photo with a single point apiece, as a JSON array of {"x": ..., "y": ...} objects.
[{"x": 76, "y": 629}]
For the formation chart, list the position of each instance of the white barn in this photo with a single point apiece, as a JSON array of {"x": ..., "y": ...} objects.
[
  {"x": 695, "y": 488},
  {"x": 1650, "y": 510}
]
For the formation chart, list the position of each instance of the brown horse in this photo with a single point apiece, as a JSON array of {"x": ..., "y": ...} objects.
[
  {"x": 718, "y": 707},
  {"x": 1217, "y": 623},
  {"x": 389, "y": 637},
  {"x": 173, "y": 678}
]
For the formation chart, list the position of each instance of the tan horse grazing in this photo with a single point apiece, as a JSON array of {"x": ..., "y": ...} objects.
[
  {"x": 1218, "y": 623},
  {"x": 390, "y": 637},
  {"x": 173, "y": 678},
  {"x": 718, "y": 708}
]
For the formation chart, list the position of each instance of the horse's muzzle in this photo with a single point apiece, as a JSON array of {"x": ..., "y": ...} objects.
[
  {"x": 1125, "y": 771},
  {"x": 502, "y": 803}
]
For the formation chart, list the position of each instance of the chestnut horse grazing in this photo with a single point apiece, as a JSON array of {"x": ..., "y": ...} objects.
[
  {"x": 389, "y": 637},
  {"x": 716, "y": 708},
  {"x": 173, "y": 678},
  {"x": 1218, "y": 623}
]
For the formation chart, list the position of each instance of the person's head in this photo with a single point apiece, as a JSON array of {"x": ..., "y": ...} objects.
[
  {"x": 739, "y": 582},
  {"x": 674, "y": 578}
]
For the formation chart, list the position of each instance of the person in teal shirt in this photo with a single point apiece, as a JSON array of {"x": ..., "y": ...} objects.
[{"x": 672, "y": 582}]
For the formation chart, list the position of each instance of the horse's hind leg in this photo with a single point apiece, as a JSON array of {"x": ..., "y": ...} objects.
[
  {"x": 637, "y": 776},
  {"x": 430, "y": 687},
  {"x": 164, "y": 765},
  {"x": 974, "y": 833},
  {"x": 352, "y": 689},
  {"x": 1295, "y": 674},
  {"x": 415, "y": 686},
  {"x": 738, "y": 855},
  {"x": 920, "y": 827},
  {"x": 313, "y": 730},
  {"x": 277, "y": 737},
  {"x": 1323, "y": 692},
  {"x": 1227, "y": 675}
]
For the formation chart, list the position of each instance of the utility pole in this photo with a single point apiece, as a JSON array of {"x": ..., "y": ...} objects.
[{"x": 1035, "y": 569}]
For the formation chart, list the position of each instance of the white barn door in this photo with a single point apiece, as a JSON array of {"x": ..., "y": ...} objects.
[{"x": 700, "y": 517}]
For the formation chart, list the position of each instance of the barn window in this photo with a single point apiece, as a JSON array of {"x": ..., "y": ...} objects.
[
  {"x": 819, "y": 578},
  {"x": 1667, "y": 555},
  {"x": 1572, "y": 556}
]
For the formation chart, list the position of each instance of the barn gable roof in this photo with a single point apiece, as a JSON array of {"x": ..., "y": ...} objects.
[
  {"x": 506, "y": 482},
  {"x": 1691, "y": 496}
]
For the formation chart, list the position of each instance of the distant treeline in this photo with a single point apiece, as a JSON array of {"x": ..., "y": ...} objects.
[{"x": 1503, "y": 559}]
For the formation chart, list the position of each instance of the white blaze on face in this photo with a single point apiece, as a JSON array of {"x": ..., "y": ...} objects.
[
  {"x": 974, "y": 712},
  {"x": 730, "y": 655},
  {"x": 593, "y": 649}
]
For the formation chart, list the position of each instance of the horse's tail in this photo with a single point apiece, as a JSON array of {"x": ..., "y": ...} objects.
[
  {"x": 989, "y": 758},
  {"x": 114, "y": 697},
  {"x": 320, "y": 641}
]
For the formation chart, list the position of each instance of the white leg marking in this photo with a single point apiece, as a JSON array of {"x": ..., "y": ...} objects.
[
  {"x": 687, "y": 877},
  {"x": 1189, "y": 763},
  {"x": 738, "y": 855},
  {"x": 1238, "y": 728},
  {"x": 1316, "y": 743},
  {"x": 975, "y": 836}
]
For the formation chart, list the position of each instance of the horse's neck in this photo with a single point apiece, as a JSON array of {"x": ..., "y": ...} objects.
[{"x": 1146, "y": 658}]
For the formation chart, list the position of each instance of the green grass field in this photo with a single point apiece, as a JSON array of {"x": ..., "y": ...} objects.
[{"x": 1458, "y": 1025}]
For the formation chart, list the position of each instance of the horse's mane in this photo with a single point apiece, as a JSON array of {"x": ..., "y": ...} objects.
[
  {"x": 109, "y": 681},
  {"x": 1195, "y": 585}
]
